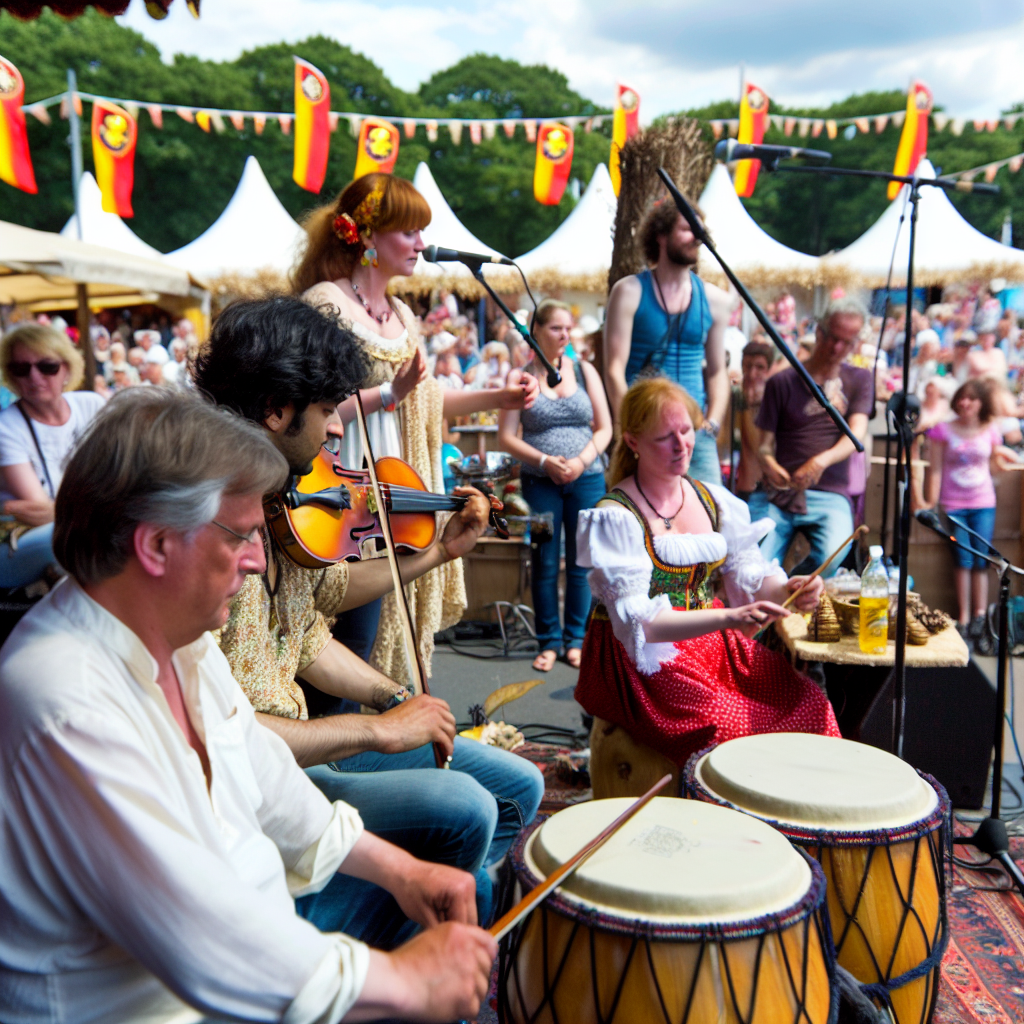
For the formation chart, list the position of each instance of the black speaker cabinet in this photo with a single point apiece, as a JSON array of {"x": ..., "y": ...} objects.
[{"x": 949, "y": 723}]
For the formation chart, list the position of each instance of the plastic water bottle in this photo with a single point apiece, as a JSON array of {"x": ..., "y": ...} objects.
[{"x": 874, "y": 604}]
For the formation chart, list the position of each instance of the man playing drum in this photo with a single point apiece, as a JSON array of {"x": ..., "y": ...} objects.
[{"x": 152, "y": 834}]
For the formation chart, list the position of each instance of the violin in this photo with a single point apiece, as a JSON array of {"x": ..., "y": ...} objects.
[{"x": 325, "y": 516}]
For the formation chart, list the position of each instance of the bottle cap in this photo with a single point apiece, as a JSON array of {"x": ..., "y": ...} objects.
[{"x": 875, "y": 551}]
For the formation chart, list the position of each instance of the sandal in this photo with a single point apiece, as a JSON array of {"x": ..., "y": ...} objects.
[{"x": 545, "y": 661}]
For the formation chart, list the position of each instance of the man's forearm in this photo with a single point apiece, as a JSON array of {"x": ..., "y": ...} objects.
[
  {"x": 320, "y": 740},
  {"x": 718, "y": 395},
  {"x": 341, "y": 673},
  {"x": 615, "y": 385},
  {"x": 370, "y": 578}
]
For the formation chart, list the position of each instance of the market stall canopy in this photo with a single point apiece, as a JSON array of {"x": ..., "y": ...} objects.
[
  {"x": 254, "y": 234},
  {"x": 757, "y": 258},
  {"x": 447, "y": 231},
  {"x": 102, "y": 228},
  {"x": 948, "y": 249},
  {"x": 579, "y": 253},
  {"x": 43, "y": 270}
]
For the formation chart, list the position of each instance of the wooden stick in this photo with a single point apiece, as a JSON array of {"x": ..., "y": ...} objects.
[
  {"x": 824, "y": 565},
  {"x": 502, "y": 927}
]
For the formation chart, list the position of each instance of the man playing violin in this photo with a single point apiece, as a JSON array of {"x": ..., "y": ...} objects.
[{"x": 286, "y": 366}]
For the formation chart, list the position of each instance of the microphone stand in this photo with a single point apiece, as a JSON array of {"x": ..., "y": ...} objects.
[
  {"x": 700, "y": 232},
  {"x": 902, "y": 411},
  {"x": 990, "y": 836}
]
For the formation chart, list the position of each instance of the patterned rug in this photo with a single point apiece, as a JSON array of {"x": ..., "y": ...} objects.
[{"x": 983, "y": 970}]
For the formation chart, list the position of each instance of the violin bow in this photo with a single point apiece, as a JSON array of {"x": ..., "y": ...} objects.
[{"x": 416, "y": 666}]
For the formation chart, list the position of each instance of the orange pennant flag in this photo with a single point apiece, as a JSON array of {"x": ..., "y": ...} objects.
[
  {"x": 312, "y": 126},
  {"x": 377, "y": 149},
  {"x": 914, "y": 138},
  {"x": 554, "y": 161},
  {"x": 753, "y": 121},
  {"x": 114, "y": 133},
  {"x": 625, "y": 124},
  {"x": 15, "y": 159}
]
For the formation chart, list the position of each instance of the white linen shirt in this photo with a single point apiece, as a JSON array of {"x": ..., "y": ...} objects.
[{"x": 127, "y": 888}]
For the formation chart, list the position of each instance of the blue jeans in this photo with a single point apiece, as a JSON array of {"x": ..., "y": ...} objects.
[
  {"x": 564, "y": 502},
  {"x": 467, "y": 817},
  {"x": 826, "y": 522},
  {"x": 981, "y": 520},
  {"x": 25, "y": 564},
  {"x": 704, "y": 463}
]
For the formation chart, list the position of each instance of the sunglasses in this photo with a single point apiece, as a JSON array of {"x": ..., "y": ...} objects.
[{"x": 47, "y": 367}]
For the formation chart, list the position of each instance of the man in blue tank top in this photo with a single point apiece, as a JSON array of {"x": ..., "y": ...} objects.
[{"x": 666, "y": 319}]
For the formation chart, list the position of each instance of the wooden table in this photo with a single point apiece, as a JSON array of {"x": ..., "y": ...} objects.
[{"x": 481, "y": 430}]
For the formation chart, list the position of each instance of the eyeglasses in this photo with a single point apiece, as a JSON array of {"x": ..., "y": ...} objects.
[
  {"x": 247, "y": 538},
  {"x": 47, "y": 367}
]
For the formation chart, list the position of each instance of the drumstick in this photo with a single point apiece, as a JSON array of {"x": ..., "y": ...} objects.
[
  {"x": 824, "y": 565},
  {"x": 502, "y": 927}
]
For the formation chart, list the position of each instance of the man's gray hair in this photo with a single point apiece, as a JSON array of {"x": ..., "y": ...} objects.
[
  {"x": 846, "y": 306},
  {"x": 154, "y": 455}
]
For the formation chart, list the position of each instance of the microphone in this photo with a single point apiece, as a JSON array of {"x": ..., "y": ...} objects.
[
  {"x": 437, "y": 254},
  {"x": 729, "y": 149},
  {"x": 930, "y": 518}
]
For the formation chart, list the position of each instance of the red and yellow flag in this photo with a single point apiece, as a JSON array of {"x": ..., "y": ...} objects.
[
  {"x": 377, "y": 149},
  {"x": 15, "y": 160},
  {"x": 625, "y": 124},
  {"x": 753, "y": 121},
  {"x": 113, "y": 153},
  {"x": 914, "y": 140},
  {"x": 312, "y": 126},
  {"x": 554, "y": 161}
]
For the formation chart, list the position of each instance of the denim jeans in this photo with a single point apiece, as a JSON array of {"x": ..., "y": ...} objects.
[
  {"x": 564, "y": 502},
  {"x": 25, "y": 564},
  {"x": 467, "y": 817},
  {"x": 704, "y": 463},
  {"x": 981, "y": 520},
  {"x": 826, "y": 522}
]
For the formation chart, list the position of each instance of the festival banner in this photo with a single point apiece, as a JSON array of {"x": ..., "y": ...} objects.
[
  {"x": 753, "y": 121},
  {"x": 914, "y": 139},
  {"x": 625, "y": 124},
  {"x": 113, "y": 155},
  {"x": 312, "y": 126},
  {"x": 15, "y": 159},
  {"x": 377, "y": 149},
  {"x": 554, "y": 161}
]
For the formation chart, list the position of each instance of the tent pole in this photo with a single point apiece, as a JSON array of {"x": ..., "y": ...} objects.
[
  {"x": 83, "y": 321},
  {"x": 76, "y": 150}
]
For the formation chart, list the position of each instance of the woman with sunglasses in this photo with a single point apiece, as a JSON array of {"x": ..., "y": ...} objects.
[{"x": 37, "y": 432}]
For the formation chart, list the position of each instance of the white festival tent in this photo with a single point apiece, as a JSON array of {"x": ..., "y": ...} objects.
[
  {"x": 948, "y": 248},
  {"x": 102, "y": 228},
  {"x": 578, "y": 255},
  {"x": 757, "y": 259},
  {"x": 254, "y": 233}
]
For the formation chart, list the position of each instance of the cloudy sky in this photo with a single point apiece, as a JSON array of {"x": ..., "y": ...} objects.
[{"x": 677, "y": 53}]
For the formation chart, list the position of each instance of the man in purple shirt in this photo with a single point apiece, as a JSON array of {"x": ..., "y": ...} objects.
[{"x": 804, "y": 457}]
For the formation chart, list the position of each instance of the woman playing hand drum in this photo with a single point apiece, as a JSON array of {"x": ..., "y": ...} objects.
[{"x": 663, "y": 658}]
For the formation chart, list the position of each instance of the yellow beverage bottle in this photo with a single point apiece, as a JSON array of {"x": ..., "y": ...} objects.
[{"x": 874, "y": 604}]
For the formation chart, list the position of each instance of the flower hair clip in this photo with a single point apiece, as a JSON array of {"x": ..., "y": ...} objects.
[
  {"x": 366, "y": 212},
  {"x": 345, "y": 228}
]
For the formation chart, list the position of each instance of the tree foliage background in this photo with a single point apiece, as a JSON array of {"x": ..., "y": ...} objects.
[{"x": 184, "y": 177}]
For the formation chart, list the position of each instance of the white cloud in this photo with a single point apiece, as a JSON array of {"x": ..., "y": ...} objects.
[{"x": 677, "y": 53}]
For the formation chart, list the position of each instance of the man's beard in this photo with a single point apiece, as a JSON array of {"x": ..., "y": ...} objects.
[{"x": 682, "y": 257}]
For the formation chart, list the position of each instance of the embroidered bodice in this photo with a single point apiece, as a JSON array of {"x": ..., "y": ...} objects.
[{"x": 635, "y": 574}]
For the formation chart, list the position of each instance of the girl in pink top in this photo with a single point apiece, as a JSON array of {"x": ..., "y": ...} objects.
[{"x": 962, "y": 454}]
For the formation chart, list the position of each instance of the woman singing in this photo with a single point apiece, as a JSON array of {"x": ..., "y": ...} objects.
[
  {"x": 663, "y": 658},
  {"x": 367, "y": 236}
]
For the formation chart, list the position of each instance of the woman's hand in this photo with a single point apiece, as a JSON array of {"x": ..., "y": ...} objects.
[
  {"x": 411, "y": 373},
  {"x": 809, "y": 599},
  {"x": 30, "y": 511},
  {"x": 558, "y": 469},
  {"x": 520, "y": 394},
  {"x": 750, "y": 619}
]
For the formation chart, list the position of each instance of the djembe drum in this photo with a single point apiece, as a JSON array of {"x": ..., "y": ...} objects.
[
  {"x": 880, "y": 830},
  {"x": 689, "y": 913}
]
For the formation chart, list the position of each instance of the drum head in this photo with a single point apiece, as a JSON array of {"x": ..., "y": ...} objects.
[
  {"x": 821, "y": 781},
  {"x": 676, "y": 860}
]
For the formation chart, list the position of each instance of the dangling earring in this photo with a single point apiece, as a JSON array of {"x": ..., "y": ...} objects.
[{"x": 369, "y": 257}]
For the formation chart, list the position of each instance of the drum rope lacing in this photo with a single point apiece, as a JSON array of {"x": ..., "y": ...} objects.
[{"x": 937, "y": 823}]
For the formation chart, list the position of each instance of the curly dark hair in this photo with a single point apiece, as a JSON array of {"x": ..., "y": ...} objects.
[
  {"x": 266, "y": 354},
  {"x": 659, "y": 222}
]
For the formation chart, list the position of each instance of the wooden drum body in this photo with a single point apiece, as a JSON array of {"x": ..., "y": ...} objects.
[
  {"x": 620, "y": 766},
  {"x": 683, "y": 917},
  {"x": 880, "y": 830}
]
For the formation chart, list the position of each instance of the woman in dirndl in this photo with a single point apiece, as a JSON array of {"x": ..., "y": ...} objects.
[{"x": 664, "y": 658}]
